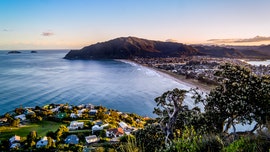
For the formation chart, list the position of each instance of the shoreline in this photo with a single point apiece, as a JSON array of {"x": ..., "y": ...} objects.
[{"x": 192, "y": 83}]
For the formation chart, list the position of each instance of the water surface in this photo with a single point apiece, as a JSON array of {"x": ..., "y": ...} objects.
[{"x": 30, "y": 79}]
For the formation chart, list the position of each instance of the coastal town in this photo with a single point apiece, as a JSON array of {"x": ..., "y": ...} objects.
[
  {"x": 65, "y": 127},
  {"x": 200, "y": 68}
]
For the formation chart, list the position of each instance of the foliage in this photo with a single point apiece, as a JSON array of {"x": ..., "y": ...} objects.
[
  {"x": 151, "y": 138},
  {"x": 15, "y": 123},
  {"x": 241, "y": 145},
  {"x": 189, "y": 142},
  {"x": 130, "y": 145},
  {"x": 61, "y": 130},
  {"x": 242, "y": 98},
  {"x": 169, "y": 105}
]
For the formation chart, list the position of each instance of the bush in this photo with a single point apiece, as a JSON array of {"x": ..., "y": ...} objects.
[{"x": 242, "y": 145}]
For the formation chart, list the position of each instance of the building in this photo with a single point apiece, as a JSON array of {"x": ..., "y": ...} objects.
[
  {"x": 93, "y": 112},
  {"x": 42, "y": 143},
  {"x": 15, "y": 145},
  {"x": 22, "y": 117},
  {"x": 123, "y": 125},
  {"x": 72, "y": 139},
  {"x": 91, "y": 139},
  {"x": 3, "y": 120},
  {"x": 14, "y": 139},
  {"x": 116, "y": 132},
  {"x": 74, "y": 125}
]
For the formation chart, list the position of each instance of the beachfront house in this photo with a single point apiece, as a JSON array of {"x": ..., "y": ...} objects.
[
  {"x": 3, "y": 120},
  {"x": 22, "y": 117},
  {"x": 72, "y": 139},
  {"x": 74, "y": 125},
  {"x": 42, "y": 143},
  {"x": 91, "y": 139}
]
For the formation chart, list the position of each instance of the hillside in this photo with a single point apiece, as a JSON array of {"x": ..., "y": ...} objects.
[
  {"x": 218, "y": 51},
  {"x": 130, "y": 47}
]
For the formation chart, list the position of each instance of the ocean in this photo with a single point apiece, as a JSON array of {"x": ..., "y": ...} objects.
[{"x": 36, "y": 79}]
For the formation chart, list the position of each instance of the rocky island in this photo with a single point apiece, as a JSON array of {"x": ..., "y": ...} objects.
[{"x": 14, "y": 52}]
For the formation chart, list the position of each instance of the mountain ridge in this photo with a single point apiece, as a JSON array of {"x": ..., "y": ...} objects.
[{"x": 130, "y": 47}]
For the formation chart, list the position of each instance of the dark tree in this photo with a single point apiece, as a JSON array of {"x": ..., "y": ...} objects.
[{"x": 169, "y": 105}]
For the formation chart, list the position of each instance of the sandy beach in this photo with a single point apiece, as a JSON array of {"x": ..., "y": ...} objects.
[{"x": 192, "y": 83}]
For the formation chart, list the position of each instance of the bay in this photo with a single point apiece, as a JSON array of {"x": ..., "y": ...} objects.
[{"x": 35, "y": 79}]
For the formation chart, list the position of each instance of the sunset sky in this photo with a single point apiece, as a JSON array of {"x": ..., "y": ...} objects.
[{"x": 72, "y": 24}]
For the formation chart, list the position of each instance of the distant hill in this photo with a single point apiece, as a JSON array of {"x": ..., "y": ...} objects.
[
  {"x": 262, "y": 51},
  {"x": 218, "y": 51},
  {"x": 130, "y": 47}
]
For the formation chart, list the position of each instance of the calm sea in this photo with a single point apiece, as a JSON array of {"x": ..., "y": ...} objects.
[{"x": 30, "y": 79}]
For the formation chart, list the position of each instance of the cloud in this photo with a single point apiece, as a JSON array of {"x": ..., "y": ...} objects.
[
  {"x": 47, "y": 33},
  {"x": 5, "y": 30},
  {"x": 254, "y": 39},
  {"x": 171, "y": 40}
]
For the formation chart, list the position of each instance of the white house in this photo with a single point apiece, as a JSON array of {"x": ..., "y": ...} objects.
[
  {"x": 74, "y": 125},
  {"x": 123, "y": 125},
  {"x": 14, "y": 139},
  {"x": 96, "y": 128},
  {"x": 15, "y": 145},
  {"x": 91, "y": 139},
  {"x": 22, "y": 117},
  {"x": 56, "y": 109},
  {"x": 73, "y": 115},
  {"x": 43, "y": 142}
]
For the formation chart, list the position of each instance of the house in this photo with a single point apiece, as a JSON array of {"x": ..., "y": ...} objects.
[
  {"x": 72, "y": 139},
  {"x": 14, "y": 139},
  {"x": 93, "y": 112},
  {"x": 73, "y": 115},
  {"x": 116, "y": 132},
  {"x": 91, "y": 139},
  {"x": 3, "y": 120},
  {"x": 56, "y": 109},
  {"x": 99, "y": 122},
  {"x": 90, "y": 106},
  {"x": 123, "y": 125},
  {"x": 28, "y": 111},
  {"x": 43, "y": 142},
  {"x": 98, "y": 128},
  {"x": 15, "y": 145},
  {"x": 74, "y": 125},
  {"x": 22, "y": 117},
  {"x": 61, "y": 115}
]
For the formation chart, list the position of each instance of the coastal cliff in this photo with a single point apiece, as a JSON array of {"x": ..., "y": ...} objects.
[{"x": 130, "y": 47}]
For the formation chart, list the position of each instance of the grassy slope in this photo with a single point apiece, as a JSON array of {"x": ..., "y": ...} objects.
[{"x": 40, "y": 127}]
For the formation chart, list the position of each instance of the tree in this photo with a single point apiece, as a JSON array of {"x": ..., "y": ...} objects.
[
  {"x": 60, "y": 131},
  {"x": 31, "y": 138},
  {"x": 151, "y": 138},
  {"x": 242, "y": 97},
  {"x": 169, "y": 105},
  {"x": 51, "y": 143},
  {"x": 15, "y": 122}
]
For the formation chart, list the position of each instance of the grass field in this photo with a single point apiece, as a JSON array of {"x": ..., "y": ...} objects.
[{"x": 40, "y": 127}]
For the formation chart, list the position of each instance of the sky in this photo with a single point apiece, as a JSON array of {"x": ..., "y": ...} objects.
[{"x": 73, "y": 24}]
